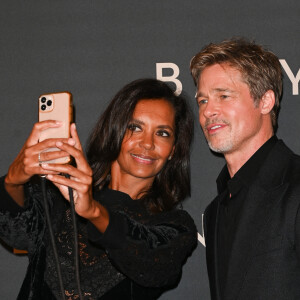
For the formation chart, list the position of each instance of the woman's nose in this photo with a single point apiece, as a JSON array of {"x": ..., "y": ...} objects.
[{"x": 147, "y": 141}]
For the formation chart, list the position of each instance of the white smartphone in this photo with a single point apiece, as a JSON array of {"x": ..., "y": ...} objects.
[{"x": 56, "y": 106}]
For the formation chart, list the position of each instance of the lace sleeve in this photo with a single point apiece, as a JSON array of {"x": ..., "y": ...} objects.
[
  {"x": 151, "y": 254},
  {"x": 20, "y": 227},
  {"x": 7, "y": 204}
]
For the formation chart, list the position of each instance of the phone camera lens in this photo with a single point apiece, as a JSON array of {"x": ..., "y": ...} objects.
[
  {"x": 49, "y": 102},
  {"x": 43, "y": 107},
  {"x": 43, "y": 100}
]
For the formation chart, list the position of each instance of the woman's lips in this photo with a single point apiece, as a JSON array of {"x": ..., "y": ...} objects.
[{"x": 143, "y": 158}]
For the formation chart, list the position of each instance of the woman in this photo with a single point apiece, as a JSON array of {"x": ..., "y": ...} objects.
[{"x": 132, "y": 241}]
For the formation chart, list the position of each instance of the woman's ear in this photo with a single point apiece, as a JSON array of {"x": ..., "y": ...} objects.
[
  {"x": 267, "y": 102},
  {"x": 171, "y": 154}
]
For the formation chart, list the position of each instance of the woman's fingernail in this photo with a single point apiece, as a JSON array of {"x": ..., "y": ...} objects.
[
  {"x": 49, "y": 176},
  {"x": 59, "y": 144},
  {"x": 71, "y": 142}
]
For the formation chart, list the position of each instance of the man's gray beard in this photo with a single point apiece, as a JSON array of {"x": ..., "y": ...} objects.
[{"x": 224, "y": 148}]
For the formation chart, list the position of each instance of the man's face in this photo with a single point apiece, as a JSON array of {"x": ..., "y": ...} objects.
[{"x": 230, "y": 120}]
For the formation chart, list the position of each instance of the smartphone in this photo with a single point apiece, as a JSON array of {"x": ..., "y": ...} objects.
[{"x": 56, "y": 106}]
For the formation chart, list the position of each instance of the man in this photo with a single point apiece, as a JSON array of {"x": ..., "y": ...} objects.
[{"x": 252, "y": 228}]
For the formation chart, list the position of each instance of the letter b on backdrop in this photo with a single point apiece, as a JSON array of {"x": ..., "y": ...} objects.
[{"x": 171, "y": 78}]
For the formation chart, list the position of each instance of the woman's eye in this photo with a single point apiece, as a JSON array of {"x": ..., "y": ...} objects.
[
  {"x": 163, "y": 133},
  {"x": 134, "y": 127}
]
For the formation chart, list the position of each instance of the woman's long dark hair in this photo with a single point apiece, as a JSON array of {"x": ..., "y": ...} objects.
[{"x": 172, "y": 184}]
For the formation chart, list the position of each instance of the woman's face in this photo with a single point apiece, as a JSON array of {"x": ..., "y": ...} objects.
[{"x": 148, "y": 141}]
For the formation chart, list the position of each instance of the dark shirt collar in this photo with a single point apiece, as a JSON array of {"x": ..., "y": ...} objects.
[{"x": 246, "y": 175}]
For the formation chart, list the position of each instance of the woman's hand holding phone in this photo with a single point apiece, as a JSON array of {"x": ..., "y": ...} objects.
[
  {"x": 55, "y": 114},
  {"x": 81, "y": 181},
  {"x": 26, "y": 164}
]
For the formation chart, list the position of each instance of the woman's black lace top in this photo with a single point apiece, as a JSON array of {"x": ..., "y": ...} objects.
[{"x": 140, "y": 254}]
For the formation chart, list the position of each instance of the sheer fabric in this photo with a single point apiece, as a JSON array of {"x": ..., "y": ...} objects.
[{"x": 146, "y": 251}]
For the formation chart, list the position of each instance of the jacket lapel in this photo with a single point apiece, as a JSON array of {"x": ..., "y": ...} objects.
[
  {"x": 254, "y": 217},
  {"x": 211, "y": 224},
  {"x": 263, "y": 195}
]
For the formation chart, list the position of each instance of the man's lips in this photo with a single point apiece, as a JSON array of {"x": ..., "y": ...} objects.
[
  {"x": 143, "y": 158},
  {"x": 212, "y": 128}
]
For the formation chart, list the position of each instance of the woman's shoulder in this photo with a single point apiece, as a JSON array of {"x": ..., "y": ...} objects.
[{"x": 175, "y": 216}]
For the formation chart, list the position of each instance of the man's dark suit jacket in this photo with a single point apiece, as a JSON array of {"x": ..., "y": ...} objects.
[{"x": 264, "y": 262}]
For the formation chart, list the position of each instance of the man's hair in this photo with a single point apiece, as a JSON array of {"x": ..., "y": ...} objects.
[{"x": 259, "y": 67}]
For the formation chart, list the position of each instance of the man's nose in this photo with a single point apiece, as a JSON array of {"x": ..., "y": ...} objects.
[{"x": 211, "y": 109}]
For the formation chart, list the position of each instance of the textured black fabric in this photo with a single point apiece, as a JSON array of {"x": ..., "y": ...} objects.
[
  {"x": 7, "y": 204},
  {"x": 139, "y": 254},
  {"x": 264, "y": 259},
  {"x": 231, "y": 206}
]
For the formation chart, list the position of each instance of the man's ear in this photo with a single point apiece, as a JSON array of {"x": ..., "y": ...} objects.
[{"x": 267, "y": 102}]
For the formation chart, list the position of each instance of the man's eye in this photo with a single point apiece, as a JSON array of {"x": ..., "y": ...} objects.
[
  {"x": 224, "y": 96},
  {"x": 202, "y": 101},
  {"x": 134, "y": 127}
]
